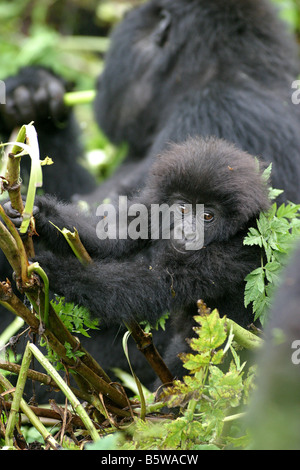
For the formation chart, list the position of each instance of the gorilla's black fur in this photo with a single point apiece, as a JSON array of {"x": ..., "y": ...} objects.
[
  {"x": 203, "y": 67},
  {"x": 144, "y": 278},
  {"x": 175, "y": 69}
]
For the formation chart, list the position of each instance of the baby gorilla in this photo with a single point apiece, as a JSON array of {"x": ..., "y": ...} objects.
[{"x": 141, "y": 277}]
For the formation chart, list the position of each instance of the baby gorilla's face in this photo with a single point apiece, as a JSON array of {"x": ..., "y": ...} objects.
[
  {"x": 192, "y": 226},
  {"x": 210, "y": 191}
]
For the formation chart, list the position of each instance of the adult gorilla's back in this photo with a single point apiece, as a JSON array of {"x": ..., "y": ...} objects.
[{"x": 202, "y": 67}]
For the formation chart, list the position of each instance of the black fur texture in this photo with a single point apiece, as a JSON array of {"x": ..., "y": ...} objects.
[
  {"x": 203, "y": 67},
  {"x": 145, "y": 278},
  {"x": 175, "y": 69}
]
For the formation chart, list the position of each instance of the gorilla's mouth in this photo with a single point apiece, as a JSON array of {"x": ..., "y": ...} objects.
[{"x": 185, "y": 242}]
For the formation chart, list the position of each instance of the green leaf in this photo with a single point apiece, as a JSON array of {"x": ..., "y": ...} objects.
[
  {"x": 212, "y": 333},
  {"x": 253, "y": 238},
  {"x": 276, "y": 232},
  {"x": 273, "y": 270}
]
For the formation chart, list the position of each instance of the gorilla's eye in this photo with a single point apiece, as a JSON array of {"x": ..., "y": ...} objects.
[
  {"x": 162, "y": 30},
  {"x": 208, "y": 216}
]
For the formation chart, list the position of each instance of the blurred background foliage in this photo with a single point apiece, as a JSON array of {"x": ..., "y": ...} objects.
[{"x": 71, "y": 37}]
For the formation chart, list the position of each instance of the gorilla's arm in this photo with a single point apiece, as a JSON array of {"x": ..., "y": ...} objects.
[
  {"x": 145, "y": 290},
  {"x": 51, "y": 215},
  {"x": 112, "y": 291}
]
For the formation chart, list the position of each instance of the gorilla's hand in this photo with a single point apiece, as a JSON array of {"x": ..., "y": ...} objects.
[
  {"x": 14, "y": 215},
  {"x": 35, "y": 94}
]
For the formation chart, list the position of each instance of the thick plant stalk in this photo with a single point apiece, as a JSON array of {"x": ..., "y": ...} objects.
[
  {"x": 13, "y": 185},
  {"x": 14, "y": 250},
  {"x": 35, "y": 268},
  {"x": 15, "y": 406},
  {"x": 9, "y": 247},
  {"x": 77, "y": 406},
  {"x": 145, "y": 344},
  {"x": 79, "y": 97},
  {"x": 76, "y": 245},
  {"x": 48, "y": 438},
  {"x": 243, "y": 337}
]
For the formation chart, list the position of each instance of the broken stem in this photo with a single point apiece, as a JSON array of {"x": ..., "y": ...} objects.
[
  {"x": 13, "y": 185},
  {"x": 76, "y": 245}
]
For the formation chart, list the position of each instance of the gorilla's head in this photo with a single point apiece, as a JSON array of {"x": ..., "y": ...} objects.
[
  {"x": 222, "y": 185},
  {"x": 169, "y": 52}
]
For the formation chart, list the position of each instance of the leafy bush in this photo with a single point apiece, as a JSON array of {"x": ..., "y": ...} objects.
[
  {"x": 209, "y": 398},
  {"x": 276, "y": 233}
]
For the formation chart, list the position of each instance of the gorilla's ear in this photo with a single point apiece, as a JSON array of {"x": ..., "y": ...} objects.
[{"x": 162, "y": 30}]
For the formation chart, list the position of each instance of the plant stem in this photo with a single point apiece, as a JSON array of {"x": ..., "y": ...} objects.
[
  {"x": 137, "y": 381},
  {"x": 79, "y": 97},
  {"x": 31, "y": 416},
  {"x": 35, "y": 267},
  {"x": 17, "y": 398},
  {"x": 11, "y": 330},
  {"x": 18, "y": 249},
  {"x": 13, "y": 178},
  {"x": 145, "y": 344},
  {"x": 13, "y": 185},
  {"x": 78, "y": 408},
  {"x": 76, "y": 245},
  {"x": 9, "y": 247},
  {"x": 243, "y": 337}
]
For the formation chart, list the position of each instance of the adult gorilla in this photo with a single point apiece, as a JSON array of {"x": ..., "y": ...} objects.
[
  {"x": 180, "y": 68},
  {"x": 175, "y": 69}
]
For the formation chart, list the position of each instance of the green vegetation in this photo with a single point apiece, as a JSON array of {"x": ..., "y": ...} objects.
[
  {"x": 276, "y": 233},
  {"x": 206, "y": 408}
]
